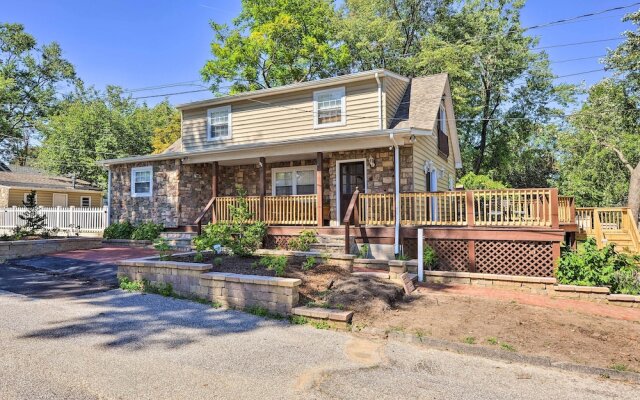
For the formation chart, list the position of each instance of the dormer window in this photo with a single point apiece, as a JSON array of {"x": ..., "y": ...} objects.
[
  {"x": 219, "y": 123},
  {"x": 329, "y": 108}
]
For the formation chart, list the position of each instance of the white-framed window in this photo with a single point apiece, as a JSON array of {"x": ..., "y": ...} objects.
[
  {"x": 24, "y": 197},
  {"x": 141, "y": 181},
  {"x": 293, "y": 180},
  {"x": 329, "y": 108},
  {"x": 85, "y": 201},
  {"x": 219, "y": 123}
]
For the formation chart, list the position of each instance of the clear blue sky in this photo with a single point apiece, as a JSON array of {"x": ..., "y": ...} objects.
[{"x": 142, "y": 43}]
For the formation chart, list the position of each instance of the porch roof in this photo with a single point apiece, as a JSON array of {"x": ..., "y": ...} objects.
[{"x": 284, "y": 150}]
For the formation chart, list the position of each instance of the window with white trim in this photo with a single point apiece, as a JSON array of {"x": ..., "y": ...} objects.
[
  {"x": 141, "y": 181},
  {"x": 219, "y": 123},
  {"x": 329, "y": 108},
  {"x": 293, "y": 181},
  {"x": 85, "y": 201}
]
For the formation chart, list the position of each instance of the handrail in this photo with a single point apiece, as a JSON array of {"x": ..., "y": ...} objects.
[
  {"x": 597, "y": 230},
  {"x": 352, "y": 211},
  {"x": 198, "y": 220}
]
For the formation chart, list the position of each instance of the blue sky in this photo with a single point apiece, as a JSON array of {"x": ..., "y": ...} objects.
[{"x": 137, "y": 44}]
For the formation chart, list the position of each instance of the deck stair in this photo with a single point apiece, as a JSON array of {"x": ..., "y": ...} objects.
[
  {"x": 332, "y": 244},
  {"x": 181, "y": 241},
  {"x": 622, "y": 239},
  {"x": 609, "y": 225}
]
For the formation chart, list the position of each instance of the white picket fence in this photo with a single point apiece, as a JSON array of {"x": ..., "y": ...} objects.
[{"x": 82, "y": 219}]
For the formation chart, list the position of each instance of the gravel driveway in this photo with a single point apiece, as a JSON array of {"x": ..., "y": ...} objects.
[{"x": 118, "y": 345}]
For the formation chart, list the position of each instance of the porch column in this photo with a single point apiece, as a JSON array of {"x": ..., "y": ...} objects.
[
  {"x": 319, "y": 188},
  {"x": 214, "y": 187},
  {"x": 262, "y": 186}
]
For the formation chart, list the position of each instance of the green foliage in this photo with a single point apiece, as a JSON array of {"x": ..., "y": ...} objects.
[
  {"x": 163, "y": 289},
  {"x": 278, "y": 264},
  {"x": 241, "y": 236},
  {"x": 298, "y": 320},
  {"x": 470, "y": 340},
  {"x": 309, "y": 263},
  {"x": 147, "y": 231},
  {"x": 163, "y": 247},
  {"x": 402, "y": 257},
  {"x": 591, "y": 266},
  {"x": 363, "y": 252},
  {"x": 262, "y": 312},
  {"x": 320, "y": 324},
  {"x": 507, "y": 346},
  {"x": 131, "y": 286},
  {"x": 492, "y": 341},
  {"x": 304, "y": 241},
  {"x": 34, "y": 222},
  {"x": 619, "y": 367},
  {"x": 198, "y": 257},
  {"x": 118, "y": 230},
  {"x": 471, "y": 181},
  {"x": 91, "y": 126},
  {"x": 217, "y": 261},
  {"x": 29, "y": 75},
  {"x": 165, "y": 135},
  {"x": 429, "y": 257},
  {"x": 275, "y": 42}
]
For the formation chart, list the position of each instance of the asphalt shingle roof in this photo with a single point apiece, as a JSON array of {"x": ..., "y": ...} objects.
[{"x": 419, "y": 105}]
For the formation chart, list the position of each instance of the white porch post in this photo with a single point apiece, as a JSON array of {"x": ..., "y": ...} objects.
[
  {"x": 421, "y": 254},
  {"x": 108, "y": 199}
]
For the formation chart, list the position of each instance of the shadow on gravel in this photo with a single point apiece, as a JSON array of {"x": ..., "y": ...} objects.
[
  {"x": 137, "y": 321},
  {"x": 44, "y": 286}
]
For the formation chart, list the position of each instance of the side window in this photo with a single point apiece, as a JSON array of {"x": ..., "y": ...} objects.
[
  {"x": 329, "y": 108},
  {"x": 219, "y": 123},
  {"x": 293, "y": 181},
  {"x": 85, "y": 201},
  {"x": 142, "y": 182}
]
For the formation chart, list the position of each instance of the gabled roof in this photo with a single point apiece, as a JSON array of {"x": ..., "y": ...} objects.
[
  {"x": 43, "y": 181},
  {"x": 419, "y": 105}
]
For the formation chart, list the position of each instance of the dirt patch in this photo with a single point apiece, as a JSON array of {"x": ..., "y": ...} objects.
[
  {"x": 322, "y": 285},
  {"x": 564, "y": 335}
]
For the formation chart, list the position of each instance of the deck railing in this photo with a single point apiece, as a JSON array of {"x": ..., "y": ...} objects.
[
  {"x": 436, "y": 208},
  {"x": 376, "y": 208},
  {"x": 566, "y": 210},
  {"x": 223, "y": 207},
  {"x": 291, "y": 210},
  {"x": 513, "y": 207},
  {"x": 597, "y": 222},
  {"x": 68, "y": 219}
]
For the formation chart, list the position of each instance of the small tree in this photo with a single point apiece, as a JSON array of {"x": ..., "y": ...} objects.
[{"x": 34, "y": 222}]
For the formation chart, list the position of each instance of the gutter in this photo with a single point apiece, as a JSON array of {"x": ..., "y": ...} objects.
[{"x": 396, "y": 156}]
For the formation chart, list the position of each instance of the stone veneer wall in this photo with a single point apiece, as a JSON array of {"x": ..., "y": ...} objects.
[
  {"x": 162, "y": 207},
  {"x": 27, "y": 248},
  {"x": 195, "y": 191},
  {"x": 4, "y": 197}
]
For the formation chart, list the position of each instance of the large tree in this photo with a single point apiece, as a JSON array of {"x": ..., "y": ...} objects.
[
  {"x": 601, "y": 152},
  {"x": 28, "y": 78},
  {"x": 275, "y": 42},
  {"x": 502, "y": 87},
  {"x": 94, "y": 126}
]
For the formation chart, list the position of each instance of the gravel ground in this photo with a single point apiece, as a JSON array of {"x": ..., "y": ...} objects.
[{"x": 118, "y": 345}]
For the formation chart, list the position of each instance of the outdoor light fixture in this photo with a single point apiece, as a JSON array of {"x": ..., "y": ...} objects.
[
  {"x": 412, "y": 138},
  {"x": 372, "y": 162}
]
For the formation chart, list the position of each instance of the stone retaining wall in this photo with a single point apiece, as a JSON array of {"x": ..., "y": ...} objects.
[
  {"x": 195, "y": 280},
  {"x": 28, "y": 248}
]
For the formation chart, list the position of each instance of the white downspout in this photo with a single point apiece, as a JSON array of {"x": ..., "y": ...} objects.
[
  {"x": 379, "y": 101},
  {"x": 396, "y": 159}
]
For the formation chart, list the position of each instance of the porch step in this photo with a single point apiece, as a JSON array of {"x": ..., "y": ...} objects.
[
  {"x": 179, "y": 240},
  {"x": 333, "y": 244}
]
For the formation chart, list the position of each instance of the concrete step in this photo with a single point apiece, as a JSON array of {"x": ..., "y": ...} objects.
[
  {"x": 327, "y": 248},
  {"x": 330, "y": 239},
  {"x": 178, "y": 235}
]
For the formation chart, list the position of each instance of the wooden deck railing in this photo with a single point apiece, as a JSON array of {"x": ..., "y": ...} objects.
[
  {"x": 291, "y": 210},
  {"x": 597, "y": 222},
  {"x": 566, "y": 210},
  {"x": 436, "y": 208},
  {"x": 376, "y": 209},
  {"x": 352, "y": 214},
  {"x": 513, "y": 207},
  {"x": 223, "y": 207}
]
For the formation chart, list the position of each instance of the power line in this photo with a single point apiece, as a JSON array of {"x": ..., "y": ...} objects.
[
  {"x": 579, "y": 17},
  {"x": 578, "y": 43}
]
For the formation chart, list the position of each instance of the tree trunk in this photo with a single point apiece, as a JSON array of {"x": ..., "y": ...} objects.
[
  {"x": 481, "y": 148},
  {"x": 634, "y": 192}
]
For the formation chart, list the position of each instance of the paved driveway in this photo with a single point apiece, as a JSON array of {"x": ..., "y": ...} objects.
[
  {"x": 97, "y": 265},
  {"x": 118, "y": 345}
]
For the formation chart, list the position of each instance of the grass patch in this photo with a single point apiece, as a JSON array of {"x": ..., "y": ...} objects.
[
  {"x": 262, "y": 312},
  {"x": 298, "y": 320},
  {"x": 507, "y": 346},
  {"x": 420, "y": 333},
  {"x": 492, "y": 341},
  {"x": 321, "y": 325},
  {"x": 469, "y": 340},
  {"x": 619, "y": 367}
]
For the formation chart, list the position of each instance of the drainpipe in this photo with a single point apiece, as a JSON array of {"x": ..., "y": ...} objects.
[
  {"x": 379, "y": 101},
  {"x": 396, "y": 159}
]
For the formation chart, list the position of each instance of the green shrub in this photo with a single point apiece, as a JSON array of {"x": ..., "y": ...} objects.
[
  {"x": 304, "y": 241},
  {"x": 147, "y": 231},
  {"x": 600, "y": 267},
  {"x": 163, "y": 247},
  {"x": 163, "y": 289},
  {"x": 217, "y": 261},
  {"x": 429, "y": 257},
  {"x": 402, "y": 257},
  {"x": 132, "y": 286},
  {"x": 240, "y": 235},
  {"x": 472, "y": 181},
  {"x": 198, "y": 257},
  {"x": 119, "y": 230},
  {"x": 363, "y": 252},
  {"x": 309, "y": 263},
  {"x": 278, "y": 264}
]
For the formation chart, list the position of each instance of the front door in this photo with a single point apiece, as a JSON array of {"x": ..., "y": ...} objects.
[
  {"x": 351, "y": 177},
  {"x": 59, "y": 200}
]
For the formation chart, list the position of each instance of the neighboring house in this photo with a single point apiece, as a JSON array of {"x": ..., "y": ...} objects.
[
  {"x": 51, "y": 190},
  {"x": 351, "y": 124}
]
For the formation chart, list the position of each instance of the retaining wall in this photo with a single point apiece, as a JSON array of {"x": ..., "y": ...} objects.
[{"x": 28, "y": 248}]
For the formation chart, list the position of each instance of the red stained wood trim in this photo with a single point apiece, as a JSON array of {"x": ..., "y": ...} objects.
[
  {"x": 471, "y": 247},
  {"x": 262, "y": 188}
]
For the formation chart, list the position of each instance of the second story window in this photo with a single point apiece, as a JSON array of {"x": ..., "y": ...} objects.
[
  {"x": 329, "y": 108},
  {"x": 443, "y": 137},
  {"x": 219, "y": 123}
]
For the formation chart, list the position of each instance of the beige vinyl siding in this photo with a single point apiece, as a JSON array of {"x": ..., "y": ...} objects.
[
  {"x": 393, "y": 91},
  {"x": 287, "y": 116},
  {"x": 426, "y": 148},
  {"x": 45, "y": 198}
]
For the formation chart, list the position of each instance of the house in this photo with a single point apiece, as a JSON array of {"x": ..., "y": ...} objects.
[
  {"x": 17, "y": 182},
  {"x": 344, "y": 155}
]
